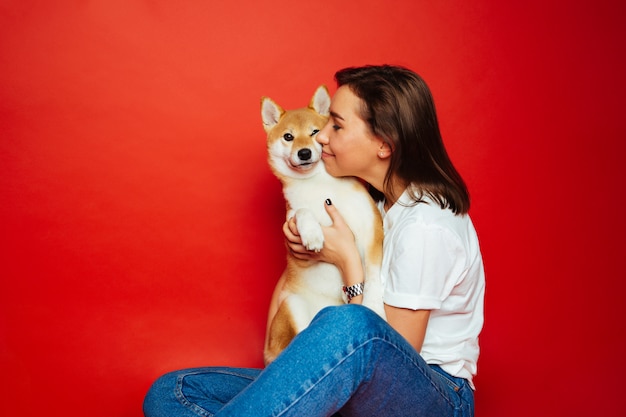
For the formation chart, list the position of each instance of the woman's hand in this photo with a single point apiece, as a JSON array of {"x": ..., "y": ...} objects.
[
  {"x": 294, "y": 241},
  {"x": 339, "y": 246}
]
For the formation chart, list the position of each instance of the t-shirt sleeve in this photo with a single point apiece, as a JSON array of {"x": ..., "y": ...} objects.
[{"x": 425, "y": 266}]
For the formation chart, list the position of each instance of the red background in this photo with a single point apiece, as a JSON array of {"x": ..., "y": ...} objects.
[{"x": 140, "y": 224}]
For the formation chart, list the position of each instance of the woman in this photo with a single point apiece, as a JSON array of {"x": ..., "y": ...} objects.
[{"x": 383, "y": 129}]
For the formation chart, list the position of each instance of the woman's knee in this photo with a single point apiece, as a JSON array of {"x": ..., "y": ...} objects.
[{"x": 352, "y": 318}]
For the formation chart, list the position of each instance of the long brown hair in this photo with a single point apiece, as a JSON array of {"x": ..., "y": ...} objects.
[{"x": 399, "y": 108}]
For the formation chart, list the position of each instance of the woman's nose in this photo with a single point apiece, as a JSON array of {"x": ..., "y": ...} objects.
[{"x": 322, "y": 136}]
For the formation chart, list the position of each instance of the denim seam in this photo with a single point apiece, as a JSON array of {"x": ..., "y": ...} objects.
[
  {"x": 357, "y": 348},
  {"x": 428, "y": 376}
]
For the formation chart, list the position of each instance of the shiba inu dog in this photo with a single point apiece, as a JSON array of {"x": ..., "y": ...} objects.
[{"x": 307, "y": 286}]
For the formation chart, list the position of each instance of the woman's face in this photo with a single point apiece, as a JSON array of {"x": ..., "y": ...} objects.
[{"x": 349, "y": 148}]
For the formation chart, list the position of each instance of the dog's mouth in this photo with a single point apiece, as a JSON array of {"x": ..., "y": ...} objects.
[{"x": 302, "y": 165}]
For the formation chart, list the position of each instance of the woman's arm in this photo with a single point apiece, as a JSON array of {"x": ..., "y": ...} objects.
[{"x": 411, "y": 324}]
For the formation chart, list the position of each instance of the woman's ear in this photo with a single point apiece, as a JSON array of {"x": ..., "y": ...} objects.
[{"x": 384, "y": 150}]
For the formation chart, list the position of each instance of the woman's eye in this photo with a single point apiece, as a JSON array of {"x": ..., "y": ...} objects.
[
  {"x": 288, "y": 137},
  {"x": 335, "y": 127},
  {"x": 315, "y": 132}
]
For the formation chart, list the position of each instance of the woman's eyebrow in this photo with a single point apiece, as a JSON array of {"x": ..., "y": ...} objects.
[{"x": 336, "y": 116}]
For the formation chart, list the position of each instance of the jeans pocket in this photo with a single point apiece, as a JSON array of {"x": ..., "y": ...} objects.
[{"x": 449, "y": 380}]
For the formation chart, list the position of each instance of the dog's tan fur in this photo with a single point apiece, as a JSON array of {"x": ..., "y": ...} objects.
[{"x": 305, "y": 286}]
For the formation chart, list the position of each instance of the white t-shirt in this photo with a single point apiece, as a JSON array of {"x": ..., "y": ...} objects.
[{"x": 432, "y": 261}]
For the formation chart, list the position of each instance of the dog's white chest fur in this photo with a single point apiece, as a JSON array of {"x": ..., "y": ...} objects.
[{"x": 306, "y": 199}]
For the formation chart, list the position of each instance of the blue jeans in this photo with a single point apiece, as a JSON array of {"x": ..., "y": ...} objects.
[{"x": 348, "y": 361}]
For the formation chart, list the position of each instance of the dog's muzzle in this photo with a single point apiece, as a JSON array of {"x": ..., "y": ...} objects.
[{"x": 304, "y": 160}]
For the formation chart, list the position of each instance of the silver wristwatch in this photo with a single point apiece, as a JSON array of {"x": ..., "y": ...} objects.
[{"x": 352, "y": 291}]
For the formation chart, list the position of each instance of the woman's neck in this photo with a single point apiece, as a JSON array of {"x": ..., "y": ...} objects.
[{"x": 393, "y": 193}]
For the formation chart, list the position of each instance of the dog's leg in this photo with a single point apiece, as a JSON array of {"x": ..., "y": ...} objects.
[
  {"x": 310, "y": 230},
  {"x": 282, "y": 330}
]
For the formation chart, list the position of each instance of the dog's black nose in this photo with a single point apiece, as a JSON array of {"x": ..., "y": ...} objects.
[{"x": 304, "y": 154}]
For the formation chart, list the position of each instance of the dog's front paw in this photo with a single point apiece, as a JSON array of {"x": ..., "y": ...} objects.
[
  {"x": 312, "y": 238},
  {"x": 310, "y": 231}
]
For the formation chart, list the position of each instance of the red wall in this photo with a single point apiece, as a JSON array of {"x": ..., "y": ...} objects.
[{"x": 140, "y": 225}]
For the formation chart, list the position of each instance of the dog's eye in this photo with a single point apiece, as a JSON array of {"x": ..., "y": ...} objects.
[
  {"x": 288, "y": 137},
  {"x": 315, "y": 132}
]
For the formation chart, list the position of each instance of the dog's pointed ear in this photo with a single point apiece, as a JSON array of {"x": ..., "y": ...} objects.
[
  {"x": 321, "y": 101},
  {"x": 270, "y": 113}
]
